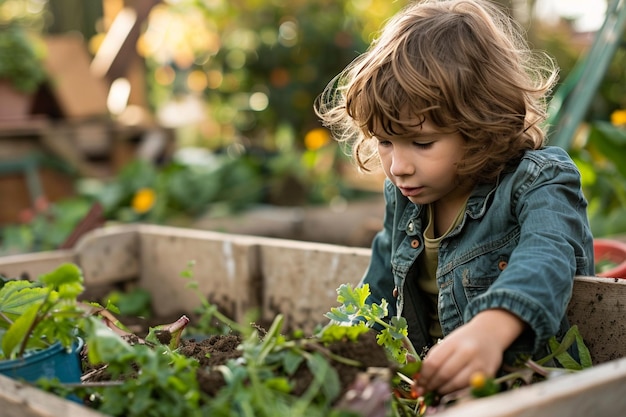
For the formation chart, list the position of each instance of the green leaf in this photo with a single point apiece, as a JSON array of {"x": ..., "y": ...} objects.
[
  {"x": 393, "y": 345},
  {"x": 104, "y": 345},
  {"x": 348, "y": 295},
  {"x": 12, "y": 340},
  {"x": 353, "y": 332},
  {"x": 279, "y": 384},
  {"x": 563, "y": 357},
  {"x": 324, "y": 375},
  {"x": 557, "y": 348},
  {"x": 70, "y": 291},
  {"x": 66, "y": 274},
  {"x": 559, "y": 351},
  {"x": 338, "y": 332},
  {"x": 411, "y": 368},
  {"x": 17, "y": 296},
  {"x": 583, "y": 351},
  {"x": 399, "y": 328},
  {"x": 354, "y": 309},
  {"x": 135, "y": 302},
  {"x": 291, "y": 361},
  {"x": 339, "y": 315},
  {"x": 380, "y": 310},
  {"x": 611, "y": 142}
]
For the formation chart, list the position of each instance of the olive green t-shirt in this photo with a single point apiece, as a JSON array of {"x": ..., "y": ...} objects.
[{"x": 427, "y": 267}]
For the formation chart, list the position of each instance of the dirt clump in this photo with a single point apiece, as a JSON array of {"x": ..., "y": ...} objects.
[{"x": 218, "y": 349}]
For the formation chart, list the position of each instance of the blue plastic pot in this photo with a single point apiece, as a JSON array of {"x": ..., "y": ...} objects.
[{"x": 52, "y": 362}]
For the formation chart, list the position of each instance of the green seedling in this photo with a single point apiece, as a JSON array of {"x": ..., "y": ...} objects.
[{"x": 355, "y": 315}]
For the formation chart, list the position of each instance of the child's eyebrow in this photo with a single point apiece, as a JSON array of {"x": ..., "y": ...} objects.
[
  {"x": 411, "y": 135},
  {"x": 429, "y": 134}
]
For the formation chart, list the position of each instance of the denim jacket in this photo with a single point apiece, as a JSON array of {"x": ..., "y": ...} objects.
[{"x": 518, "y": 247}]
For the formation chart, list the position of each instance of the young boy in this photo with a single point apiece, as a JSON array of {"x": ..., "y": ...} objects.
[{"x": 485, "y": 226}]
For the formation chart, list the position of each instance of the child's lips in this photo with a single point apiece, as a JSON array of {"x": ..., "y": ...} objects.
[{"x": 410, "y": 191}]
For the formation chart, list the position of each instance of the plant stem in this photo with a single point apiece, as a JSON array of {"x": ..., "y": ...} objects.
[
  {"x": 43, "y": 310},
  {"x": 405, "y": 340},
  {"x": 6, "y": 318},
  {"x": 336, "y": 358}
]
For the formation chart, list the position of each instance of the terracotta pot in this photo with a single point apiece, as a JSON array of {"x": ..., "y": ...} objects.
[
  {"x": 613, "y": 253},
  {"x": 14, "y": 105}
]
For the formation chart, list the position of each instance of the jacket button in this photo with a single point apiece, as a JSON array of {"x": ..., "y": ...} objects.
[
  {"x": 410, "y": 227},
  {"x": 502, "y": 265},
  {"x": 415, "y": 243},
  {"x": 395, "y": 292}
]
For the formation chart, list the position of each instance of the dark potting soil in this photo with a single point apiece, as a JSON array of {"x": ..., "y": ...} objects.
[{"x": 218, "y": 349}]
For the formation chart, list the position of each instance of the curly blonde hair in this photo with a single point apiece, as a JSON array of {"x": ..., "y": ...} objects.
[{"x": 465, "y": 66}]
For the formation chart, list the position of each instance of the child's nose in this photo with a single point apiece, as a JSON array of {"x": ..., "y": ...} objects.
[{"x": 401, "y": 165}]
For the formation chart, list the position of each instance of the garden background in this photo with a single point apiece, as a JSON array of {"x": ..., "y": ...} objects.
[{"x": 200, "y": 114}]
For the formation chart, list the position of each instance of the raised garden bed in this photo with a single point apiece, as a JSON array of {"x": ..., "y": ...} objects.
[{"x": 299, "y": 280}]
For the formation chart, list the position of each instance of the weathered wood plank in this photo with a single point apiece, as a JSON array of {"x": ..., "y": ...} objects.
[
  {"x": 597, "y": 391},
  {"x": 598, "y": 307},
  {"x": 226, "y": 270},
  {"x": 31, "y": 265},
  {"x": 109, "y": 255},
  {"x": 18, "y": 399},
  {"x": 300, "y": 279}
]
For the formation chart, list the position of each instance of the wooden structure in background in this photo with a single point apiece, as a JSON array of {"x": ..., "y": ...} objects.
[{"x": 70, "y": 124}]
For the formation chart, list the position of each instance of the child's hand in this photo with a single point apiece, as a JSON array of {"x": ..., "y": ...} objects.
[{"x": 476, "y": 346}]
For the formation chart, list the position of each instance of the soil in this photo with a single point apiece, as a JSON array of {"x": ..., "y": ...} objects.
[{"x": 216, "y": 350}]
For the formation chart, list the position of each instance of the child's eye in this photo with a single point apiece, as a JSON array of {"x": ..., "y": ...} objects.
[
  {"x": 384, "y": 143},
  {"x": 423, "y": 145}
]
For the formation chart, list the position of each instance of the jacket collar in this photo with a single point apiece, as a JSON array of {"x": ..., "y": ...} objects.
[
  {"x": 477, "y": 203},
  {"x": 476, "y": 206}
]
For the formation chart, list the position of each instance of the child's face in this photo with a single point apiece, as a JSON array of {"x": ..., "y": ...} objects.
[{"x": 423, "y": 165}]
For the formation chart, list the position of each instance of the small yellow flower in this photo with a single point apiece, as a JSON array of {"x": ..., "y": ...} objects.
[
  {"x": 143, "y": 200},
  {"x": 316, "y": 138},
  {"x": 618, "y": 117},
  {"x": 478, "y": 380}
]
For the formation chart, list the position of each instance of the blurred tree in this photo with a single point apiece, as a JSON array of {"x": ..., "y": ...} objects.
[
  {"x": 256, "y": 65},
  {"x": 74, "y": 15}
]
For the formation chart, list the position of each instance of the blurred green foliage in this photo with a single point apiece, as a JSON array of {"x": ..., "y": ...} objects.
[
  {"x": 256, "y": 67},
  {"x": 602, "y": 162},
  {"x": 194, "y": 184},
  {"x": 43, "y": 228},
  {"x": 21, "y": 58},
  {"x": 599, "y": 144}
]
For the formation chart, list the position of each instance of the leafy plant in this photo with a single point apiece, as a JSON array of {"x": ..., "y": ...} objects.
[
  {"x": 354, "y": 308},
  {"x": 20, "y": 58},
  {"x": 153, "y": 376},
  {"x": 162, "y": 382},
  {"x": 133, "y": 302},
  {"x": 45, "y": 227},
  {"x": 355, "y": 315},
  {"x": 603, "y": 168},
  {"x": 37, "y": 314},
  {"x": 259, "y": 382}
]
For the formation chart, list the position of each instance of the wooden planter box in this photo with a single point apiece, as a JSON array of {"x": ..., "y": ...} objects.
[{"x": 298, "y": 279}]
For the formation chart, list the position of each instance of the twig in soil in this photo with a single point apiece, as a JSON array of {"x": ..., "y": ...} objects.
[
  {"x": 93, "y": 384},
  {"x": 93, "y": 372}
]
